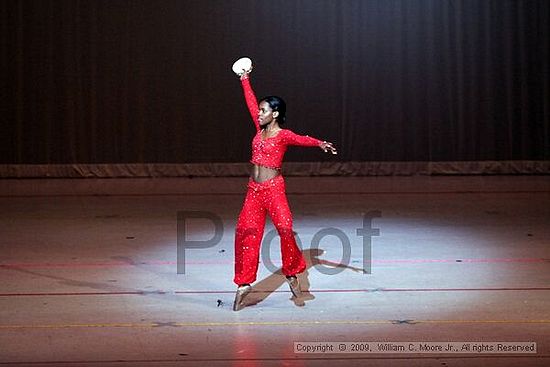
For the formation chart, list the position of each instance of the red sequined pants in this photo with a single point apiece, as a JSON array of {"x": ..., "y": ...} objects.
[{"x": 263, "y": 198}]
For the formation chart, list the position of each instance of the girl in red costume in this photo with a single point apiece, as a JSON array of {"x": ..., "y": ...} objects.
[{"x": 266, "y": 193}]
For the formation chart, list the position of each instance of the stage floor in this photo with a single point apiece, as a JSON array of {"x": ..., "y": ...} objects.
[{"x": 89, "y": 273}]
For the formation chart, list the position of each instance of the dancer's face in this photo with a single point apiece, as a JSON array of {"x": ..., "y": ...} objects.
[{"x": 266, "y": 115}]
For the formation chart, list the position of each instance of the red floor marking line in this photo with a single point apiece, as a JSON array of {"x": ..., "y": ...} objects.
[
  {"x": 224, "y": 262},
  {"x": 495, "y": 260},
  {"x": 366, "y": 290},
  {"x": 122, "y": 293},
  {"x": 463, "y": 289},
  {"x": 372, "y": 290},
  {"x": 83, "y": 265}
]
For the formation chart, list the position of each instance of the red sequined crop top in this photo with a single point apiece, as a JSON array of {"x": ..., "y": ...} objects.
[{"x": 269, "y": 152}]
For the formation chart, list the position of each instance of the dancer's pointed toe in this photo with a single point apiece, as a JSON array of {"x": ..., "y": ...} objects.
[{"x": 242, "y": 291}]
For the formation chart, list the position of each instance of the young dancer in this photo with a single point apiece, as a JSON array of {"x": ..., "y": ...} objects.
[{"x": 266, "y": 193}]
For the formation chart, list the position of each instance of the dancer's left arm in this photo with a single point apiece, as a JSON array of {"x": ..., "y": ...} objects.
[{"x": 292, "y": 138}]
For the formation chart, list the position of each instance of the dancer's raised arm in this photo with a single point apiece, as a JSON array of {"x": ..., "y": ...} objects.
[{"x": 250, "y": 98}]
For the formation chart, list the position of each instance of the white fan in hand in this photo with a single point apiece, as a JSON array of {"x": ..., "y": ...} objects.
[{"x": 242, "y": 65}]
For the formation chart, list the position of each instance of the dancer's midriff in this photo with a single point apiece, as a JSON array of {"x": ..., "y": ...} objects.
[{"x": 262, "y": 173}]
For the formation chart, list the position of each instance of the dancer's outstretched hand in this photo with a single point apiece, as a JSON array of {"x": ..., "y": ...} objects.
[{"x": 328, "y": 147}]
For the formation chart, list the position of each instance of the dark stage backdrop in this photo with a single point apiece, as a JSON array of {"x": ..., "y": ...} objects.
[{"x": 103, "y": 81}]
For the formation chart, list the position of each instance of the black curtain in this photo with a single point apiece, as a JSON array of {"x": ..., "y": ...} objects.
[{"x": 102, "y": 81}]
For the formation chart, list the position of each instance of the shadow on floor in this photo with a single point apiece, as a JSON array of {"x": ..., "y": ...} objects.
[{"x": 264, "y": 288}]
